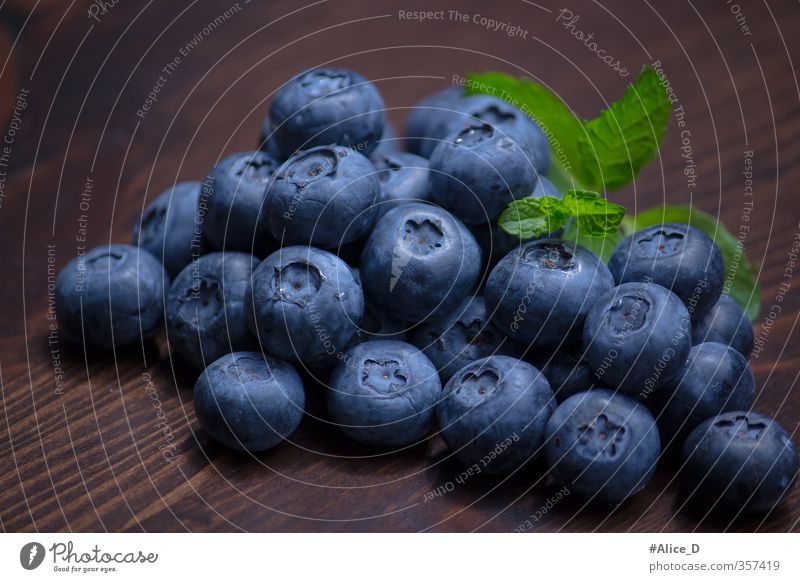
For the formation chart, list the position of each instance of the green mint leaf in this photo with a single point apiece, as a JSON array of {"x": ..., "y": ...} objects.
[
  {"x": 558, "y": 123},
  {"x": 533, "y": 217},
  {"x": 603, "y": 246},
  {"x": 591, "y": 214},
  {"x": 624, "y": 138},
  {"x": 594, "y": 216},
  {"x": 740, "y": 280},
  {"x": 602, "y": 154}
]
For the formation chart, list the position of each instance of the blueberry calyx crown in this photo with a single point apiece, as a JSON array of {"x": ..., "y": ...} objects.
[
  {"x": 257, "y": 168},
  {"x": 602, "y": 438},
  {"x": 741, "y": 427},
  {"x": 422, "y": 237},
  {"x": 247, "y": 368},
  {"x": 297, "y": 283},
  {"x": 627, "y": 314},
  {"x": 662, "y": 242},
  {"x": 324, "y": 82},
  {"x": 312, "y": 166},
  {"x": 386, "y": 167},
  {"x": 553, "y": 256},
  {"x": 206, "y": 290},
  {"x": 383, "y": 376},
  {"x": 474, "y": 135},
  {"x": 476, "y": 333},
  {"x": 493, "y": 115},
  {"x": 106, "y": 260},
  {"x": 477, "y": 385}
]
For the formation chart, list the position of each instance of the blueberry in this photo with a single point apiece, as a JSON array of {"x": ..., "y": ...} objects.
[
  {"x": 738, "y": 462},
  {"x": 168, "y": 228},
  {"x": 248, "y": 401},
  {"x": 602, "y": 446},
  {"x": 428, "y": 112},
  {"x": 377, "y": 325},
  {"x": 637, "y": 336},
  {"x": 112, "y": 297},
  {"x": 325, "y": 106},
  {"x": 500, "y": 113},
  {"x": 495, "y": 242},
  {"x": 266, "y": 141},
  {"x": 493, "y": 111},
  {"x": 676, "y": 256},
  {"x": 206, "y": 313},
  {"x": 306, "y": 305},
  {"x": 403, "y": 177},
  {"x": 567, "y": 373},
  {"x": 384, "y": 393},
  {"x": 324, "y": 196},
  {"x": 462, "y": 337},
  {"x": 234, "y": 195},
  {"x": 476, "y": 172},
  {"x": 493, "y": 413},
  {"x": 419, "y": 262},
  {"x": 390, "y": 143},
  {"x": 714, "y": 379},
  {"x": 541, "y": 292},
  {"x": 725, "y": 323}
]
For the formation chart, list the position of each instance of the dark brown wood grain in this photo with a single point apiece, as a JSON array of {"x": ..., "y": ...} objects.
[{"x": 85, "y": 456}]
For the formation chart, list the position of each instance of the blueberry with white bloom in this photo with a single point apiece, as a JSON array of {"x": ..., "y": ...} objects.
[{"x": 112, "y": 297}]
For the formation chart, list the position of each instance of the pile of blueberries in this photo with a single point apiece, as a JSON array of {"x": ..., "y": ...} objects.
[{"x": 331, "y": 260}]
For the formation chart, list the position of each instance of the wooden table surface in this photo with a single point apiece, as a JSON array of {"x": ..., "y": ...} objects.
[{"x": 80, "y": 444}]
